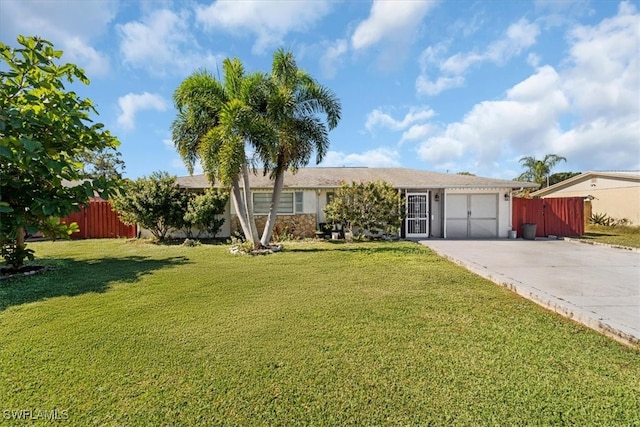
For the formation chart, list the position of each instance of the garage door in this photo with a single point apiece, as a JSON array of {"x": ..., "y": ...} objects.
[{"x": 471, "y": 216}]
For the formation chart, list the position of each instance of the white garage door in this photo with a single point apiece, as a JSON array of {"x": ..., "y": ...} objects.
[{"x": 471, "y": 216}]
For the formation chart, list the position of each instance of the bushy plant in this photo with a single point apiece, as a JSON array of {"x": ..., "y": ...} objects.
[
  {"x": 156, "y": 203},
  {"x": 374, "y": 207},
  {"x": 607, "y": 221},
  {"x": 203, "y": 212},
  {"x": 54, "y": 229},
  {"x": 44, "y": 127}
]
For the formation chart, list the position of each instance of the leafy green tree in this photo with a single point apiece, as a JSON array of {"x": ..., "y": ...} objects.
[
  {"x": 372, "y": 207},
  {"x": 203, "y": 212},
  {"x": 43, "y": 129},
  {"x": 156, "y": 203},
  {"x": 295, "y": 103},
  {"x": 103, "y": 163},
  {"x": 562, "y": 176},
  {"x": 538, "y": 171},
  {"x": 216, "y": 122}
]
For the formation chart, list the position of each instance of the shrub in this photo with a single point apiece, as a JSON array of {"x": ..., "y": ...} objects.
[
  {"x": 155, "y": 203},
  {"x": 607, "y": 221},
  {"x": 203, "y": 212},
  {"x": 372, "y": 207}
]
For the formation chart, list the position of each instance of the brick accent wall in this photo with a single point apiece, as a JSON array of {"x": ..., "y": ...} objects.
[{"x": 299, "y": 226}]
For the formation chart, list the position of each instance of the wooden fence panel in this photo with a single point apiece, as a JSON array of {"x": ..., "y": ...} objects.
[
  {"x": 564, "y": 216},
  {"x": 554, "y": 216},
  {"x": 98, "y": 221},
  {"x": 528, "y": 211}
]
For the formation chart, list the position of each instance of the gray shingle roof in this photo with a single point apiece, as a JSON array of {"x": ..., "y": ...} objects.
[{"x": 321, "y": 177}]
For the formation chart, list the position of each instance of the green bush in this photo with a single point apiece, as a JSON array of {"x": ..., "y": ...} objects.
[
  {"x": 374, "y": 207},
  {"x": 203, "y": 212},
  {"x": 156, "y": 203}
]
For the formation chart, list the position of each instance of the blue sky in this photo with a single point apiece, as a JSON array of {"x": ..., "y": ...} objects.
[{"x": 442, "y": 86}]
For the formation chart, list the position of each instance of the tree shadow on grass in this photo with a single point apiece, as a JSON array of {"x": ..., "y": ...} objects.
[{"x": 69, "y": 277}]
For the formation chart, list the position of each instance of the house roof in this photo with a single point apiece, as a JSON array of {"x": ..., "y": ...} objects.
[
  {"x": 631, "y": 176},
  {"x": 333, "y": 177}
]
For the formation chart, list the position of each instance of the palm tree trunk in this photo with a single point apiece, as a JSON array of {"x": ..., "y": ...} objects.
[
  {"x": 273, "y": 209},
  {"x": 248, "y": 200},
  {"x": 236, "y": 197}
]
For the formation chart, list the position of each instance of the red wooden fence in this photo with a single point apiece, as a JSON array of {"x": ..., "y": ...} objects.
[
  {"x": 98, "y": 220},
  {"x": 562, "y": 216}
]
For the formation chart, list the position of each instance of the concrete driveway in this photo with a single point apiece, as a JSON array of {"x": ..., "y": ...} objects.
[{"x": 598, "y": 286}]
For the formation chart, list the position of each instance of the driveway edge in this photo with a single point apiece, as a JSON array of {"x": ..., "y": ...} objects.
[{"x": 562, "y": 307}]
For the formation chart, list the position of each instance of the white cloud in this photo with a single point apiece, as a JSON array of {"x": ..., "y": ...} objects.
[
  {"x": 377, "y": 118},
  {"x": 332, "y": 57},
  {"x": 595, "y": 95},
  {"x": 605, "y": 70},
  {"x": 168, "y": 144},
  {"x": 427, "y": 87},
  {"x": 70, "y": 25},
  {"x": 131, "y": 103},
  {"x": 518, "y": 37},
  {"x": 380, "y": 157},
  {"x": 533, "y": 60},
  {"x": 269, "y": 21},
  {"x": 95, "y": 63},
  {"x": 418, "y": 132},
  {"x": 524, "y": 120},
  {"x": 162, "y": 43},
  {"x": 390, "y": 20},
  {"x": 391, "y": 27}
]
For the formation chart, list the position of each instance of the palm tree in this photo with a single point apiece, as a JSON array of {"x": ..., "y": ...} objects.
[
  {"x": 294, "y": 102},
  {"x": 538, "y": 171},
  {"x": 215, "y": 122}
]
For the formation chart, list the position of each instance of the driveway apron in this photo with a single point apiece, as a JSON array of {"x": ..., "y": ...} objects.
[{"x": 598, "y": 286}]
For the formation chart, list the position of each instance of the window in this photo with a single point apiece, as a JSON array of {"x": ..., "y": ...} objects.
[
  {"x": 262, "y": 202},
  {"x": 299, "y": 202},
  {"x": 330, "y": 197}
]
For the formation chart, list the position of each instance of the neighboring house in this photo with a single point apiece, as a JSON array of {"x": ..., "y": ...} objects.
[
  {"x": 438, "y": 205},
  {"x": 615, "y": 193}
]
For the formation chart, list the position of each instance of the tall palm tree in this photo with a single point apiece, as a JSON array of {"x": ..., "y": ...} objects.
[
  {"x": 538, "y": 171},
  {"x": 294, "y": 104},
  {"x": 216, "y": 120}
]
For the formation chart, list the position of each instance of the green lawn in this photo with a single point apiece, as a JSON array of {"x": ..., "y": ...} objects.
[
  {"x": 614, "y": 235},
  {"x": 122, "y": 333}
]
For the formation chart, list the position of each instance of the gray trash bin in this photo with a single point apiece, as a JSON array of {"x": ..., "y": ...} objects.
[{"x": 529, "y": 231}]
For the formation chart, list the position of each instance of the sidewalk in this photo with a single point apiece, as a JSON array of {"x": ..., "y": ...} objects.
[{"x": 597, "y": 286}]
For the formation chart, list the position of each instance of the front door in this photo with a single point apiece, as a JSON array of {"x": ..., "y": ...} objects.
[{"x": 417, "y": 220}]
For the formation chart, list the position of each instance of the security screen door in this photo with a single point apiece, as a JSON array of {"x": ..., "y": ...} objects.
[{"x": 417, "y": 220}]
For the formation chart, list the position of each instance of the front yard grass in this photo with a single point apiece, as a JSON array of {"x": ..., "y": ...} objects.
[
  {"x": 613, "y": 235},
  {"x": 378, "y": 333}
]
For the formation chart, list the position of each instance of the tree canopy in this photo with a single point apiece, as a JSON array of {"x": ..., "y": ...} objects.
[
  {"x": 246, "y": 121},
  {"x": 538, "y": 170},
  {"x": 296, "y": 105},
  {"x": 217, "y": 121},
  {"x": 44, "y": 128}
]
